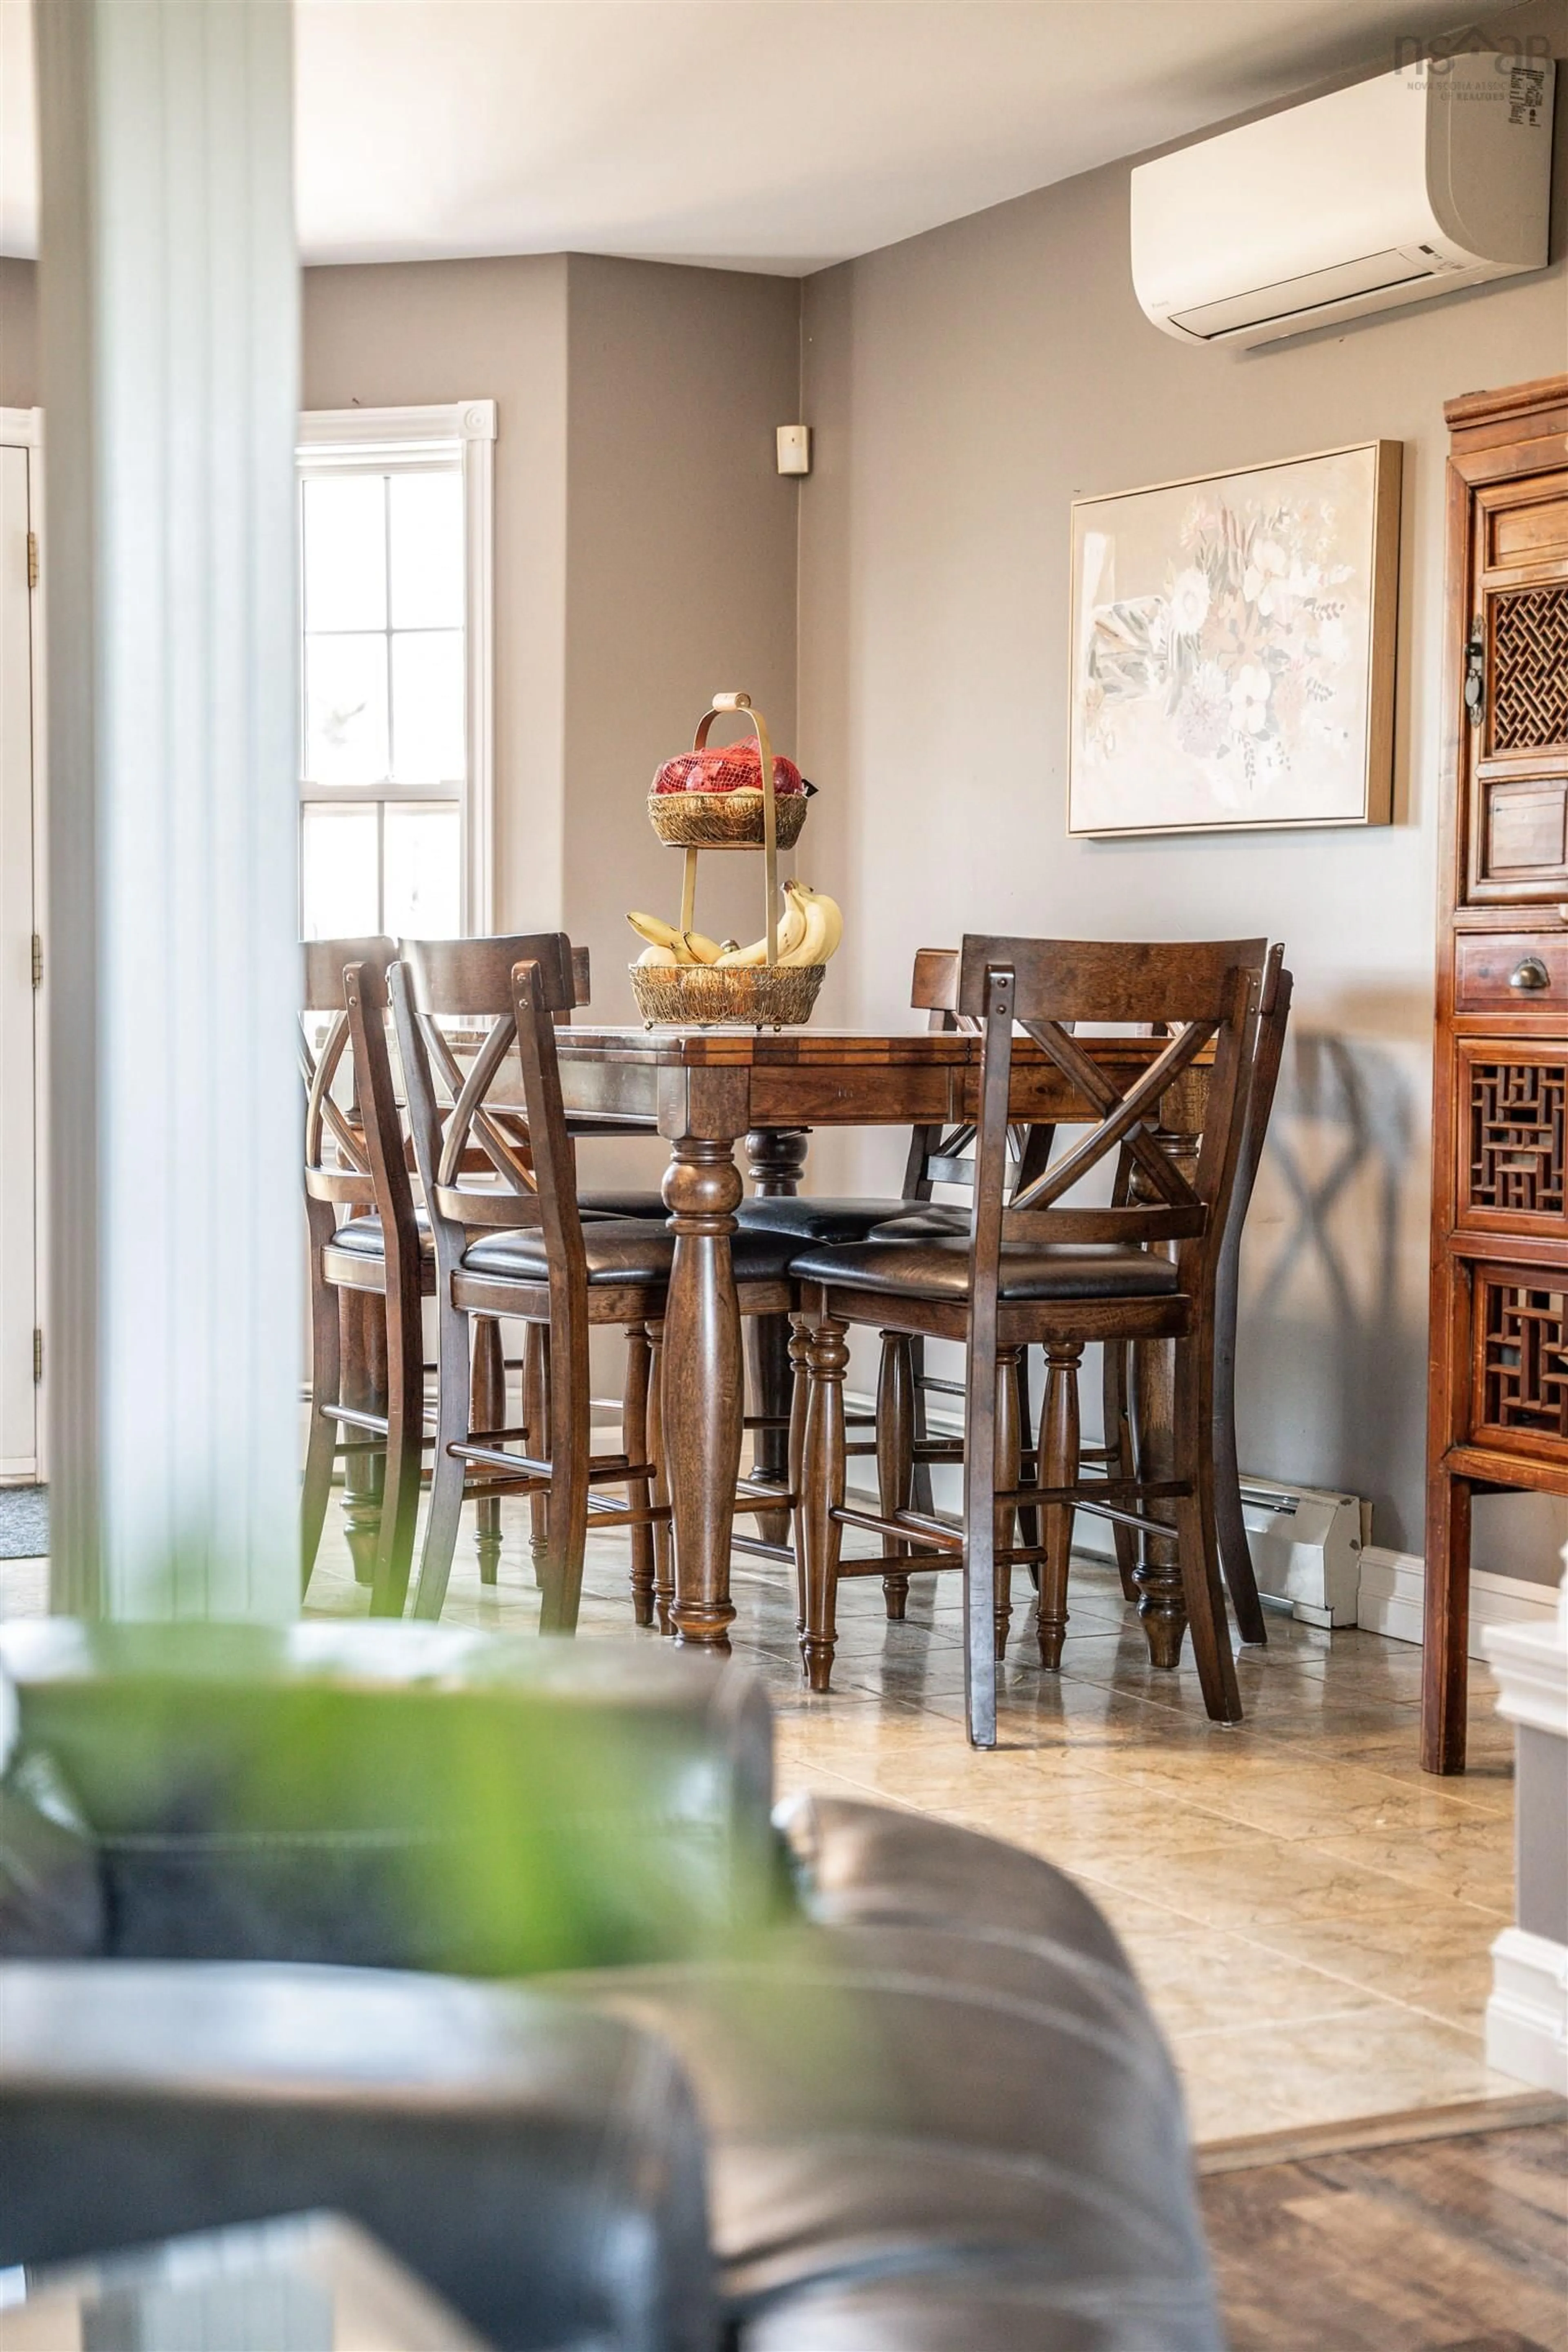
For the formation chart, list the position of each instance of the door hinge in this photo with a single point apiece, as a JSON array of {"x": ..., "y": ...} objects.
[
  {"x": 32, "y": 559},
  {"x": 37, "y": 960},
  {"x": 38, "y": 1357}
]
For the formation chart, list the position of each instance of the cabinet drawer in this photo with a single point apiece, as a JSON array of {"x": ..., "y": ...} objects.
[{"x": 1512, "y": 971}]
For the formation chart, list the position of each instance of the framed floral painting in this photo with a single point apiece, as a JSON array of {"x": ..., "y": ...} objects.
[{"x": 1233, "y": 649}]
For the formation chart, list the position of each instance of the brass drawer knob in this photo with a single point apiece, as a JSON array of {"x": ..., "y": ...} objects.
[{"x": 1530, "y": 976}]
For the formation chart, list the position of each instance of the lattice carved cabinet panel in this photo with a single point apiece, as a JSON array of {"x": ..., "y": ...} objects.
[
  {"x": 1515, "y": 1165},
  {"x": 1498, "y": 1359},
  {"x": 1521, "y": 1367},
  {"x": 1529, "y": 669}
]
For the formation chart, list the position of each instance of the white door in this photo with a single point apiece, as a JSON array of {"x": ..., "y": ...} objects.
[{"x": 20, "y": 1344}]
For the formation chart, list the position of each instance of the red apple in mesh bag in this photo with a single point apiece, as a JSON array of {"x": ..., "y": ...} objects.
[{"x": 732, "y": 767}]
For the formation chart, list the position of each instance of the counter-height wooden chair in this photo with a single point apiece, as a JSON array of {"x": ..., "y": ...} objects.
[
  {"x": 1034, "y": 1272},
  {"x": 1268, "y": 1048},
  {"x": 902, "y": 1446},
  {"x": 513, "y": 1242},
  {"x": 488, "y": 1367},
  {"x": 371, "y": 1264},
  {"x": 1268, "y": 1056},
  {"x": 939, "y": 1153},
  {"x": 367, "y": 1348}
]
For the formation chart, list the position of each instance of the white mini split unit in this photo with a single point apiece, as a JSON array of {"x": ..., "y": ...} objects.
[{"x": 1389, "y": 192}]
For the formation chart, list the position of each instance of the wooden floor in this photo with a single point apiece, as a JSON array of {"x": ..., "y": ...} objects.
[{"x": 1457, "y": 2244}]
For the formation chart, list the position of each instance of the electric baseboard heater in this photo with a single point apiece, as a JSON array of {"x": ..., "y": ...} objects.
[
  {"x": 1305, "y": 1543},
  {"x": 1306, "y": 1549}
]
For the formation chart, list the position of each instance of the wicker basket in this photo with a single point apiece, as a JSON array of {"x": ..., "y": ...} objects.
[
  {"x": 698, "y": 995},
  {"x": 723, "y": 820}
]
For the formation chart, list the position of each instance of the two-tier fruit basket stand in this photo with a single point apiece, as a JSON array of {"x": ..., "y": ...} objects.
[{"x": 767, "y": 996}]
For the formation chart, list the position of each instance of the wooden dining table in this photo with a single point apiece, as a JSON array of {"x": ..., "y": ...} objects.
[{"x": 707, "y": 1091}]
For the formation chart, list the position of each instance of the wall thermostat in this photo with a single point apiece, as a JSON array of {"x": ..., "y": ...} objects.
[{"x": 794, "y": 448}]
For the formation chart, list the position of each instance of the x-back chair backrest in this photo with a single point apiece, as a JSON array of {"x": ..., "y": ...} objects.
[
  {"x": 1273, "y": 1017},
  {"x": 480, "y": 1161},
  {"x": 946, "y": 1155},
  {"x": 338, "y": 1160},
  {"x": 1205, "y": 993},
  {"x": 536, "y": 1010}
]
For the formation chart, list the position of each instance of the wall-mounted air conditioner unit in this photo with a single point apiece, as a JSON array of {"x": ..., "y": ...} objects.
[{"x": 1389, "y": 192}]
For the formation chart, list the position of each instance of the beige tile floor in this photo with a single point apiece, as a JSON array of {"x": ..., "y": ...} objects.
[{"x": 1310, "y": 1912}]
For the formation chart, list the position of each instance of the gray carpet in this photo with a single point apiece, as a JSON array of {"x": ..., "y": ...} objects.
[{"x": 24, "y": 1522}]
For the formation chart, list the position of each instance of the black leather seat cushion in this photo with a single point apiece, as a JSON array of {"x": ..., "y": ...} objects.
[
  {"x": 541, "y": 2166},
  {"x": 941, "y": 2118},
  {"x": 628, "y": 1202},
  {"x": 939, "y": 1268},
  {"x": 814, "y": 1220},
  {"x": 923, "y": 1221},
  {"x": 363, "y": 1235},
  {"x": 623, "y": 1249}
]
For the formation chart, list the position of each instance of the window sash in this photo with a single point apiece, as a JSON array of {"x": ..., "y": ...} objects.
[
  {"x": 347, "y": 795},
  {"x": 427, "y": 440}
]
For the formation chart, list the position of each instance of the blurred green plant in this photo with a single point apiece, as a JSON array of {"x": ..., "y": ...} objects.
[{"x": 478, "y": 1804}]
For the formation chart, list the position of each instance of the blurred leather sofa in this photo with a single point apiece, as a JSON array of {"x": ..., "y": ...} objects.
[{"x": 498, "y": 1946}]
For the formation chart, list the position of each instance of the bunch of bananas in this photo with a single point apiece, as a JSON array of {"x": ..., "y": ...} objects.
[{"x": 809, "y": 933}]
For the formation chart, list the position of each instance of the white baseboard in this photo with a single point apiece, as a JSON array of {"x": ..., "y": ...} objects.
[
  {"x": 1527, "y": 2016},
  {"x": 1394, "y": 1592}
]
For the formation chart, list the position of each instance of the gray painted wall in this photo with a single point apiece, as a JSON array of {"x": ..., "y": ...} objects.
[
  {"x": 681, "y": 573},
  {"x": 405, "y": 333},
  {"x": 18, "y": 334},
  {"x": 962, "y": 387}
]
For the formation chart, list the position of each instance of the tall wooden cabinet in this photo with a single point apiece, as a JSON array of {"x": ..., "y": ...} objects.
[{"x": 1499, "y": 1380}]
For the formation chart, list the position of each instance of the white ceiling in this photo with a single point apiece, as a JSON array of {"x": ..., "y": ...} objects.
[{"x": 770, "y": 134}]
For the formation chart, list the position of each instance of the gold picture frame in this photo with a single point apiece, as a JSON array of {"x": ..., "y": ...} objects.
[{"x": 1232, "y": 649}]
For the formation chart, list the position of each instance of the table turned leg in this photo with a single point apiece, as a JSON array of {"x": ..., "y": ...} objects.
[
  {"x": 702, "y": 1384},
  {"x": 775, "y": 1160},
  {"x": 822, "y": 1482}
]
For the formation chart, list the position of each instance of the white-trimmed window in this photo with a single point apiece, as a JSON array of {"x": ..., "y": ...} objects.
[{"x": 396, "y": 526}]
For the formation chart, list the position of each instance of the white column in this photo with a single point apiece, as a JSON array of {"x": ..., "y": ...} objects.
[
  {"x": 169, "y": 297},
  {"x": 1527, "y": 2016}
]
